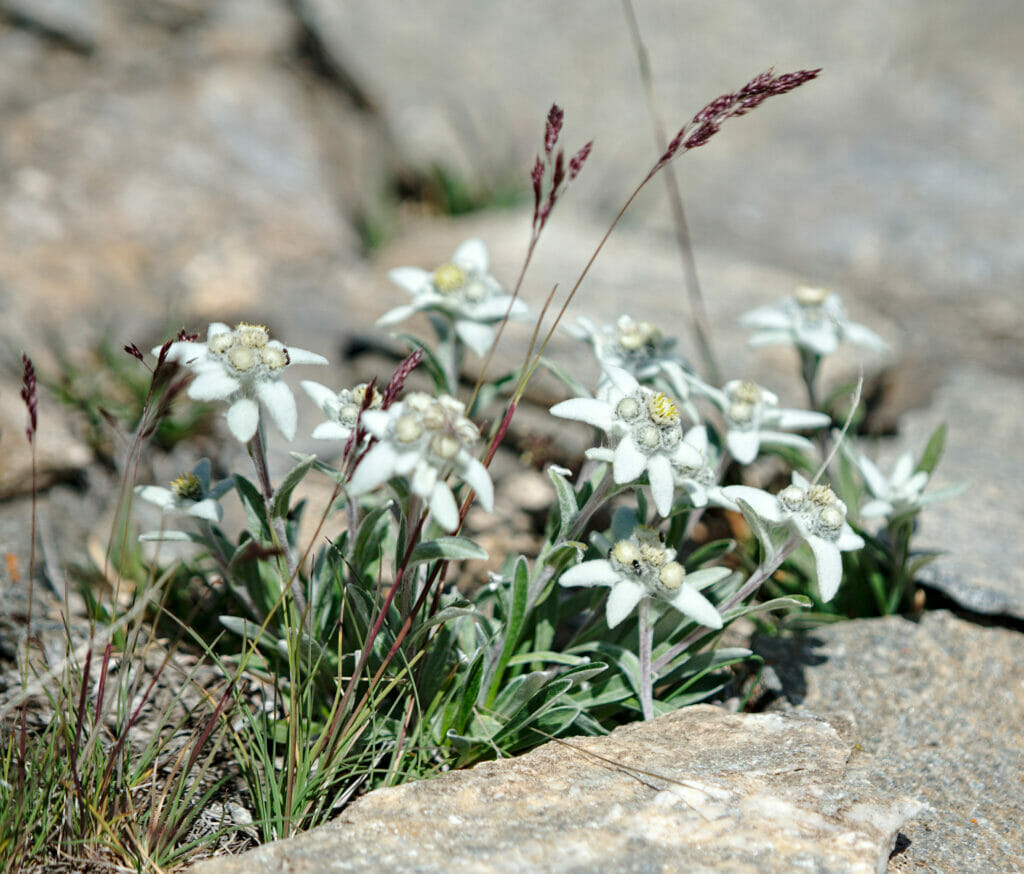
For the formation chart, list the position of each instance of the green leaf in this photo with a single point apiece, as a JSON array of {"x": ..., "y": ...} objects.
[
  {"x": 182, "y": 536},
  {"x": 254, "y": 506},
  {"x": 456, "y": 548},
  {"x": 244, "y": 628},
  {"x": 561, "y": 373},
  {"x": 774, "y": 604},
  {"x": 283, "y": 495},
  {"x": 933, "y": 450},
  {"x": 567, "y": 507},
  {"x": 515, "y": 615},
  {"x": 470, "y": 691},
  {"x": 760, "y": 530},
  {"x": 708, "y": 553}
]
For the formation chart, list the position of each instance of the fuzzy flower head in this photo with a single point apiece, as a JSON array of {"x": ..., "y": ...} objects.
[
  {"x": 899, "y": 494},
  {"x": 189, "y": 494},
  {"x": 817, "y": 515},
  {"x": 753, "y": 417},
  {"x": 638, "y": 347},
  {"x": 462, "y": 290},
  {"x": 426, "y": 439},
  {"x": 243, "y": 366},
  {"x": 812, "y": 319},
  {"x": 700, "y": 480},
  {"x": 641, "y": 566},
  {"x": 646, "y": 429},
  {"x": 341, "y": 408},
  {"x": 642, "y": 350}
]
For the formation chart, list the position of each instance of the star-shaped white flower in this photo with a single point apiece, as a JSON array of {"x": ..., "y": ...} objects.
[
  {"x": 243, "y": 366},
  {"x": 753, "y": 417},
  {"x": 641, "y": 566},
  {"x": 645, "y": 428},
  {"x": 902, "y": 492},
  {"x": 425, "y": 439},
  {"x": 341, "y": 408},
  {"x": 462, "y": 290},
  {"x": 812, "y": 319},
  {"x": 189, "y": 495},
  {"x": 816, "y": 514},
  {"x": 640, "y": 349},
  {"x": 701, "y": 480}
]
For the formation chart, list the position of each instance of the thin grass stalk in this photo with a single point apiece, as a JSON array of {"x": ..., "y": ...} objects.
[{"x": 691, "y": 281}]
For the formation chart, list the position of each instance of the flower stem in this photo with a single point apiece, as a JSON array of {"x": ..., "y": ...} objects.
[
  {"x": 259, "y": 459},
  {"x": 646, "y": 633},
  {"x": 752, "y": 584}
]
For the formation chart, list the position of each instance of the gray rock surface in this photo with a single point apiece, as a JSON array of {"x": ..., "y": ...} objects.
[
  {"x": 898, "y": 172},
  {"x": 725, "y": 792},
  {"x": 937, "y": 709},
  {"x": 982, "y": 566}
]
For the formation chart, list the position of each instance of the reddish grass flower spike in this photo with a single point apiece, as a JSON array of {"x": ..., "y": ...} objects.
[
  {"x": 29, "y": 396},
  {"x": 537, "y": 177},
  {"x": 558, "y": 174},
  {"x": 553, "y": 127},
  {"x": 398, "y": 378},
  {"x": 134, "y": 351},
  {"x": 577, "y": 160}
]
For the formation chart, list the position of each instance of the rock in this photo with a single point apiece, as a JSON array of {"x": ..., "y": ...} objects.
[
  {"x": 982, "y": 561},
  {"x": 938, "y": 706},
  {"x": 77, "y": 23},
  {"x": 857, "y": 179},
  {"x": 725, "y": 792},
  {"x": 60, "y": 456}
]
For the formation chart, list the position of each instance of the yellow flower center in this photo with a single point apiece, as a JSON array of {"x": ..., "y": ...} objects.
[
  {"x": 449, "y": 278},
  {"x": 218, "y": 344},
  {"x": 408, "y": 429},
  {"x": 822, "y": 496},
  {"x": 625, "y": 552},
  {"x": 747, "y": 392},
  {"x": 242, "y": 358},
  {"x": 663, "y": 409},
  {"x": 672, "y": 575},
  {"x": 254, "y": 336},
  {"x": 807, "y": 296},
  {"x": 273, "y": 357},
  {"x": 187, "y": 486}
]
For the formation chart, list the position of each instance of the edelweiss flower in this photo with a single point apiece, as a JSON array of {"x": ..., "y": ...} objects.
[
  {"x": 752, "y": 414},
  {"x": 641, "y": 350},
  {"x": 429, "y": 439},
  {"x": 243, "y": 366},
  {"x": 189, "y": 495},
  {"x": 641, "y": 566},
  {"x": 645, "y": 427},
  {"x": 902, "y": 492},
  {"x": 812, "y": 319},
  {"x": 341, "y": 408},
  {"x": 461, "y": 290},
  {"x": 700, "y": 480},
  {"x": 819, "y": 517}
]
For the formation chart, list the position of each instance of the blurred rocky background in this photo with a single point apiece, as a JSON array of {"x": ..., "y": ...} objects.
[{"x": 171, "y": 162}]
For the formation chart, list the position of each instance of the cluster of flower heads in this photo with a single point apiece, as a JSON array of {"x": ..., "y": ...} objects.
[
  {"x": 646, "y": 436},
  {"x": 641, "y": 566},
  {"x": 426, "y": 439},
  {"x": 243, "y": 366},
  {"x": 812, "y": 319},
  {"x": 461, "y": 291},
  {"x": 342, "y": 408},
  {"x": 646, "y": 429},
  {"x": 816, "y": 515}
]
